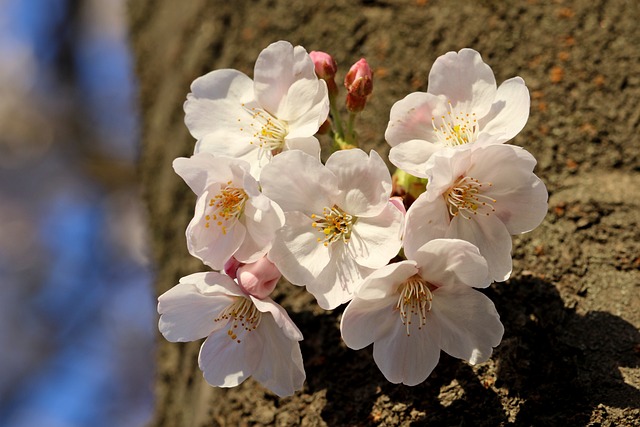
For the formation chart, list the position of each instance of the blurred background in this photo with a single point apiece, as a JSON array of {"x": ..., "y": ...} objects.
[{"x": 77, "y": 314}]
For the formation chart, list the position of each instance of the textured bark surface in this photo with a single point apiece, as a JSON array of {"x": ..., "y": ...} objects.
[{"x": 570, "y": 353}]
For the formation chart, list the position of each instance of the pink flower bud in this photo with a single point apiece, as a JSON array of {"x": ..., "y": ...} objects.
[
  {"x": 231, "y": 267},
  {"x": 359, "y": 79},
  {"x": 259, "y": 278},
  {"x": 326, "y": 66}
]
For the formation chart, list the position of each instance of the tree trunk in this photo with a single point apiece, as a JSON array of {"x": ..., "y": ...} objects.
[{"x": 570, "y": 309}]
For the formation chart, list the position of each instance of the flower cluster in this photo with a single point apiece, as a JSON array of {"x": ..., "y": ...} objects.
[{"x": 407, "y": 266}]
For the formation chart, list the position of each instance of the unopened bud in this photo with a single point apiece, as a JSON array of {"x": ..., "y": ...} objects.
[
  {"x": 359, "y": 79},
  {"x": 259, "y": 278},
  {"x": 325, "y": 65},
  {"x": 359, "y": 84}
]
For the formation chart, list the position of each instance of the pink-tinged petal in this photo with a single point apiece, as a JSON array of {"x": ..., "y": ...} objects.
[
  {"x": 412, "y": 156},
  {"x": 375, "y": 240},
  {"x": 469, "y": 323},
  {"x": 524, "y": 208},
  {"x": 509, "y": 111},
  {"x": 299, "y": 182},
  {"x": 226, "y": 362},
  {"x": 277, "y": 68},
  {"x": 426, "y": 220},
  {"x": 280, "y": 369},
  {"x": 187, "y": 315},
  {"x": 465, "y": 80},
  {"x": 213, "y": 244},
  {"x": 308, "y": 144},
  {"x": 408, "y": 359},
  {"x": 490, "y": 235},
  {"x": 365, "y": 321},
  {"x": 310, "y": 120},
  {"x": 280, "y": 316},
  {"x": 364, "y": 180},
  {"x": 521, "y": 197},
  {"x": 215, "y": 101},
  {"x": 450, "y": 262},
  {"x": 338, "y": 280},
  {"x": 261, "y": 220},
  {"x": 384, "y": 282},
  {"x": 411, "y": 118},
  {"x": 296, "y": 250},
  {"x": 372, "y": 314}
]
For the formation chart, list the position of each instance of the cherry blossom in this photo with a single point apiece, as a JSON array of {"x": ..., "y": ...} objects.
[
  {"x": 411, "y": 309},
  {"x": 339, "y": 222},
  {"x": 281, "y": 109},
  {"x": 246, "y": 336},
  {"x": 232, "y": 217},
  {"x": 483, "y": 194},
  {"x": 462, "y": 103}
]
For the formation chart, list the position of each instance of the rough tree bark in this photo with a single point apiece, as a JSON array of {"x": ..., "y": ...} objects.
[{"x": 571, "y": 309}]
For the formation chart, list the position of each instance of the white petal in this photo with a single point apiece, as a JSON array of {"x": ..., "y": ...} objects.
[
  {"x": 411, "y": 118},
  {"x": 509, "y": 111},
  {"x": 296, "y": 250},
  {"x": 372, "y": 314},
  {"x": 490, "y": 235},
  {"x": 278, "y": 67},
  {"x": 470, "y": 325},
  {"x": 339, "y": 278},
  {"x": 227, "y": 363},
  {"x": 261, "y": 225},
  {"x": 374, "y": 241},
  {"x": 364, "y": 180},
  {"x": 299, "y": 182},
  {"x": 408, "y": 359},
  {"x": 216, "y": 100},
  {"x": 220, "y": 143},
  {"x": 445, "y": 167},
  {"x": 465, "y": 80},
  {"x": 203, "y": 169},
  {"x": 449, "y": 262},
  {"x": 426, "y": 220},
  {"x": 309, "y": 121},
  {"x": 211, "y": 244},
  {"x": 280, "y": 368},
  {"x": 279, "y": 315},
  {"x": 186, "y": 314},
  {"x": 308, "y": 144},
  {"x": 301, "y": 97},
  {"x": 412, "y": 156}
]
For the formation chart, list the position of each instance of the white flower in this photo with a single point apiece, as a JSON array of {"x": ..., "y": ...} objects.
[
  {"x": 246, "y": 336},
  {"x": 281, "y": 109},
  {"x": 339, "y": 222},
  {"x": 232, "y": 217},
  {"x": 482, "y": 194},
  {"x": 461, "y": 104},
  {"x": 411, "y": 309}
]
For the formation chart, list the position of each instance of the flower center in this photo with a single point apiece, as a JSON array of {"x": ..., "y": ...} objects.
[
  {"x": 465, "y": 198},
  {"x": 456, "y": 127},
  {"x": 267, "y": 131},
  {"x": 242, "y": 312},
  {"x": 226, "y": 206},
  {"x": 335, "y": 224},
  {"x": 415, "y": 300}
]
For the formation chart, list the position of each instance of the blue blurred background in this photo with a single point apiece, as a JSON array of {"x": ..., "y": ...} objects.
[{"x": 77, "y": 313}]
